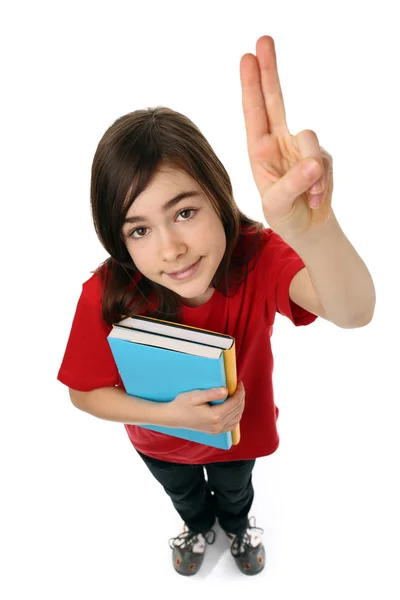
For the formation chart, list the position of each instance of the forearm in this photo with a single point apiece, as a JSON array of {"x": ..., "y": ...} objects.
[
  {"x": 113, "y": 404},
  {"x": 339, "y": 276}
]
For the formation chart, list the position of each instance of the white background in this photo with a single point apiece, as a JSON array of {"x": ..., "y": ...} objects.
[{"x": 81, "y": 517}]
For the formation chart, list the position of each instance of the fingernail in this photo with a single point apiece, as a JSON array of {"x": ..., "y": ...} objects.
[
  {"x": 316, "y": 201},
  {"x": 316, "y": 188}
]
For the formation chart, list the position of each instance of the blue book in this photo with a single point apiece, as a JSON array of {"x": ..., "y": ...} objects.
[{"x": 157, "y": 360}]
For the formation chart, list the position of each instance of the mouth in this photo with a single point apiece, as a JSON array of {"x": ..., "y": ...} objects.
[{"x": 186, "y": 271}]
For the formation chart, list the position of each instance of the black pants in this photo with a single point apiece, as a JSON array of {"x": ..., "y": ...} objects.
[{"x": 228, "y": 494}]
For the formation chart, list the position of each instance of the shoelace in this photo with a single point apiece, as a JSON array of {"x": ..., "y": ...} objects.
[
  {"x": 187, "y": 539},
  {"x": 242, "y": 542}
]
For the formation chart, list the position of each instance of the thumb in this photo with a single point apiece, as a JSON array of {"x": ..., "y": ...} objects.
[
  {"x": 280, "y": 197},
  {"x": 209, "y": 395}
]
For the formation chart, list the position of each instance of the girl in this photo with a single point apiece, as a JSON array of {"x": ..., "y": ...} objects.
[{"x": 181, "y": 250}]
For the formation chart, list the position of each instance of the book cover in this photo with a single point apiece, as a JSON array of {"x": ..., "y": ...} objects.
[{"x": 159, "y": 374}]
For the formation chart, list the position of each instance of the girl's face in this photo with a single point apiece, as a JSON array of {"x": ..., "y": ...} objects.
[{"x": 171, "y": 226}]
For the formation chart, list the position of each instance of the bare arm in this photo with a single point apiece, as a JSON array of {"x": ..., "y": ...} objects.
[
  {"x": 190, "y": 410},
  {"x": 336, "y": 283},
  {"x": 113, "y": 404}
]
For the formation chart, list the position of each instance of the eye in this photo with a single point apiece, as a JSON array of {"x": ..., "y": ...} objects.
[
  {"x": 185, "y": 210},
  {"x": 135, "y": 231},
  {"x": 188, "y": 210}
]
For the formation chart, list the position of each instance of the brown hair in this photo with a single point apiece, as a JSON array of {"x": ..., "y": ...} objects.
[{"x": 128, "y": 155}]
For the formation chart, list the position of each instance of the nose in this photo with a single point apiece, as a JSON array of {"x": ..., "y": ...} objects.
[{"x": 171, "y": 246}]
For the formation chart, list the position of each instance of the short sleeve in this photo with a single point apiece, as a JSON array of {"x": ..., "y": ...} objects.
[
  {"x": 282, "y": 263},
  {"x": 88, "y": 362}
]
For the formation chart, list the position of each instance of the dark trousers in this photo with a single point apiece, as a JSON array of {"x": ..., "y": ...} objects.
[{"x": 228, "y": 494}]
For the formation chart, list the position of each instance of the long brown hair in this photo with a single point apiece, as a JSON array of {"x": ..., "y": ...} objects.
[{"x": 128, "y": 155}]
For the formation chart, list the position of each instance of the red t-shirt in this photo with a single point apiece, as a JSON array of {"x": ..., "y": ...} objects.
[{"x": 248, "y": 316}]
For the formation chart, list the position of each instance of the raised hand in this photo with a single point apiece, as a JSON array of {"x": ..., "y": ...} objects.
[{"x": 290, "y": 205}]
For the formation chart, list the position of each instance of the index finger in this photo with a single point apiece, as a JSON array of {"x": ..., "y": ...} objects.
[{"x": 255, "y": 114}]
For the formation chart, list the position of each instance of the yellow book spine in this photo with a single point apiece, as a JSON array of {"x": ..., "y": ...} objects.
[{"x": 231, "y": 384}]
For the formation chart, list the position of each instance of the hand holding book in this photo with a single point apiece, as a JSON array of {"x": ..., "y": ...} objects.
[{"x": 192, "y": 410}]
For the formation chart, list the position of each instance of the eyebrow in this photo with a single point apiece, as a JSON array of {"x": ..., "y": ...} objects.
[{"x": 165, "y": 207}]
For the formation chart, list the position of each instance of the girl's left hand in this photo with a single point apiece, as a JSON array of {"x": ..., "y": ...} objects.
[{"x": 277, "y": 157}]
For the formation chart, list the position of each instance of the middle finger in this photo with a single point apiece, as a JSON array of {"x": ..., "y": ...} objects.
[{"x": 275, "y": 107}]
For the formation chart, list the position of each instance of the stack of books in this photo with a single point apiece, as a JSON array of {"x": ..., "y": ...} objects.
[{"x": 157, "y": 360}]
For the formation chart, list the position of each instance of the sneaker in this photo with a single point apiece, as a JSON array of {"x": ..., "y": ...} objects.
[
  {"x": 248, "y": 550},
  {"x": 188, "y": 550}
]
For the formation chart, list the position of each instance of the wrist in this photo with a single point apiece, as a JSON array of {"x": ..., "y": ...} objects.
[
  {"x": 312, "y": 238},
  {"x": 162, "y": 414}
]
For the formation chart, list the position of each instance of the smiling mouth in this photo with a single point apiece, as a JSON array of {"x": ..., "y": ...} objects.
[
  {"x": 184, "y": 269},
  {"x": 185, "y": 273}
]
